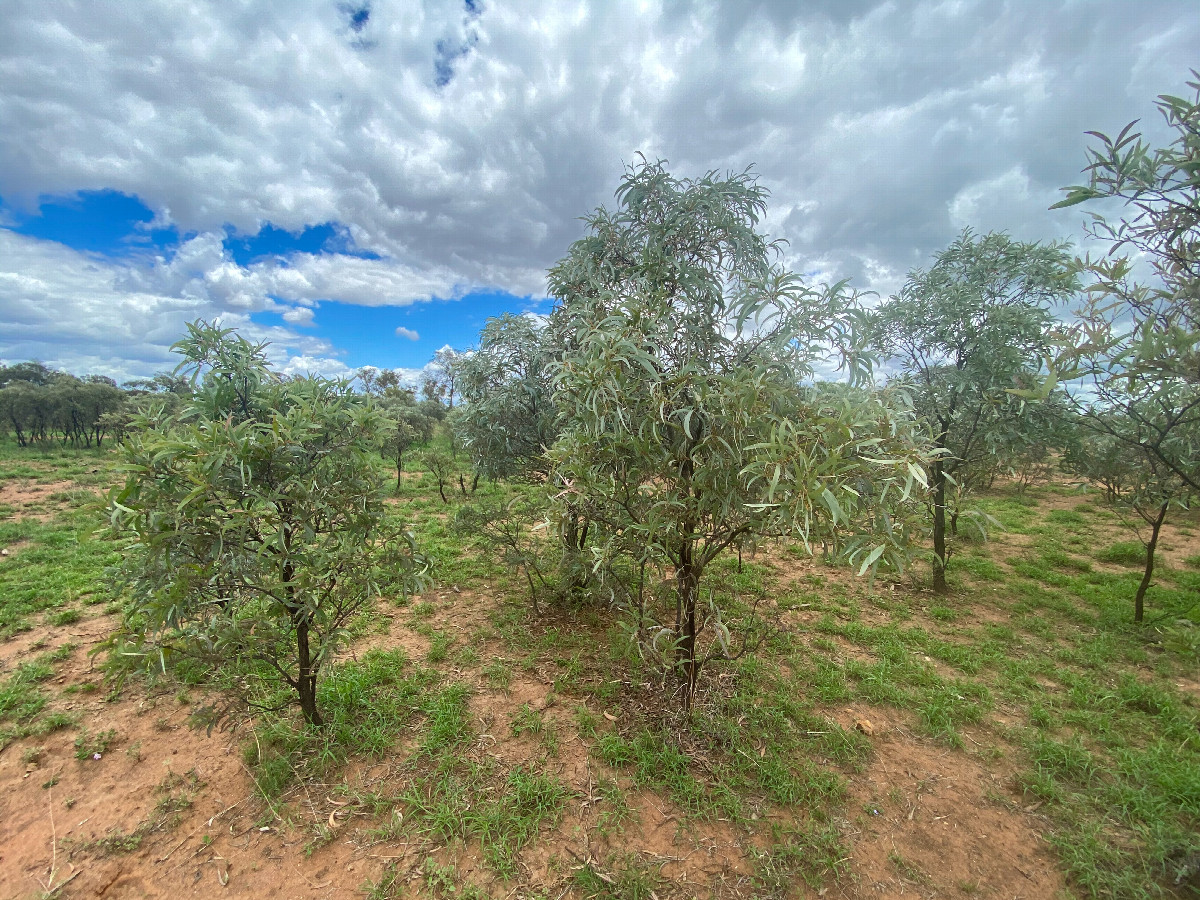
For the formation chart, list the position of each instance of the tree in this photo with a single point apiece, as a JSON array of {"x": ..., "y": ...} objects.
[
  {"x": 686, "y": 427},
  {"x": 964, "y": 334},
  {"x": 40, "y": 404},
  {"x": 406, "y": 426},
  {"x": 508, "y": 419},
  {"x": 441, "y": 467},
  {"x": 1133, "y": 351},
  {"x": 255, "y": 519},
  {"x": 1136, "y": 345}
]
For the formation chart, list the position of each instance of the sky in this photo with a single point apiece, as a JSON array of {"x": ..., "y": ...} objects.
[{"x": 362, "y": 182}]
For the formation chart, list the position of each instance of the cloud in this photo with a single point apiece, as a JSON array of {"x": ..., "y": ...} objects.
[
  {"x": 403, "y": 332},
  {"x": 81, "y": 313},
  {"x": 298, "y": 315},
  {"x": 462, "y": 144}
]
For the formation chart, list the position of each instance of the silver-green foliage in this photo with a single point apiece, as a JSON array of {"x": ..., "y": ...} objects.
[
  {"x": 1134, "y": 347},
  {"x": 687, "y": 425},
  {"x": 1135, "y": 344},
  {"x": 509, "y": 419},
  {"x": 255, "y": 519}
]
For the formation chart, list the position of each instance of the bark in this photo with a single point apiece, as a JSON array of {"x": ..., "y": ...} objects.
[
  {"x": 574, "y": 539},
  {"x": 1139, "y": 601},
  {"x": 939, "y": 528},
  {"x": 687, "y": 581},
  {"x": 306, "y": 681}
]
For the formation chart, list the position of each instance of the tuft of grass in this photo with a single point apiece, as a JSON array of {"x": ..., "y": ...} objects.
[
  {"x": 808, "y": 852},
  {"x": 620, "y": 877},
  {"x": 1124, "y": 553},
  {"x": 367, "y": 706}
]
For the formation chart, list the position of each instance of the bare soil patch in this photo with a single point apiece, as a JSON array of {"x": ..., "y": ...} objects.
[{"x": 31, "y": 499}]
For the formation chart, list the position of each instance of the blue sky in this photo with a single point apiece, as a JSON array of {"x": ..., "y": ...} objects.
[
  {"x": 111, "y": 225},
  {"x": 367, "y": 334},
  {"x": 319, "y": 173}
]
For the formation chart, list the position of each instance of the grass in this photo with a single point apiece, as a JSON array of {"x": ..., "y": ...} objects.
[
  {"x": 809, "y": 853},
  {"x": 24, "y": 701},
  {"x": 1124, "y": 553}
]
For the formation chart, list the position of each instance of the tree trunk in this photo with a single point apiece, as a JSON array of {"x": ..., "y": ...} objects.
[
  {"x": 574, "y": 538},
  {"x": 939, "y": 528},
  {"x": 1139, "y": 601},
  {"x": 306, "y": 683},
  {"x": 687, "y": 581}
]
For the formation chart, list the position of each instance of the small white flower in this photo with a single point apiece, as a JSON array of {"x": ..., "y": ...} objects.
[{"x": 95, "y": 756}]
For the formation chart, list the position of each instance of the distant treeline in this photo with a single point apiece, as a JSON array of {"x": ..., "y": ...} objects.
[
  {"x": 40, "y": 405},
  {"x": 43, "y": 406}
]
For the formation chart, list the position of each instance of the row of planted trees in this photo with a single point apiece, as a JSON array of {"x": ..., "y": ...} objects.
[{"x": 669, "y": 411}]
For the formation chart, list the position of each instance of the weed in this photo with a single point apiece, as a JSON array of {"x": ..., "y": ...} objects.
[
  {"x": 907, "y": 869},
  {"x": 89, "y": 746},
  {"x": 613, "y": 811},
  {"x": 626, "y": 877},
  {"x": 388, "y": 887}
]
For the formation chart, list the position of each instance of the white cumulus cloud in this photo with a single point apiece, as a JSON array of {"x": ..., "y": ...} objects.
[{"x": 460, "y": 148}]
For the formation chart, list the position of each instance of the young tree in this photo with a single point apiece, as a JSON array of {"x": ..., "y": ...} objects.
[
  {"x": 1134, "y": 348},
  {"x": 255, "y": 518},
  {"x": 964, "y": 334},
  {"x": 686, "y": 425},
  {"x": 441, "y": 467}
]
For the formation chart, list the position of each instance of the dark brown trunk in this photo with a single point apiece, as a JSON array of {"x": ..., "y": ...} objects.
[
  {"x": 1139, "y": 602},
  {"x": 939, "y": 528},
  {"x": 687, "y": 581},
  {"x": 306, "y": 682}
]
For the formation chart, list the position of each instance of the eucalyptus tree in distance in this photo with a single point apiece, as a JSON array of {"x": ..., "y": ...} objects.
[
  {"x": 963, "y": 335},
  {"x": 255, "y": 519},
  {"x": 508, "y": 419},
  {"x": 686, "y": 425}
]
